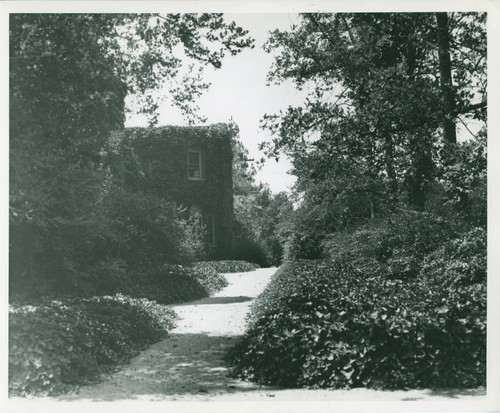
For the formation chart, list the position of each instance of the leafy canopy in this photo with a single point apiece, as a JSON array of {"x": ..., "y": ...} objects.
[{"x": 371, "y": 124}]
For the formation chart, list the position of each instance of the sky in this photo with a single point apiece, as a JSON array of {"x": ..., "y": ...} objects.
[{"x": 238, "y": 91}]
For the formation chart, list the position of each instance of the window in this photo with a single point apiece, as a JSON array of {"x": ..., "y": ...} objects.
[
  {"x": 210, "y": 226},
  {"x": 206, "y": 222},
  {"x": 195, "y": 212},
  {"x": 194, "y": 164}
]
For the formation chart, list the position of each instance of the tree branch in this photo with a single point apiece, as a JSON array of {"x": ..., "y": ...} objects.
[{"x": 471, "y": 108}]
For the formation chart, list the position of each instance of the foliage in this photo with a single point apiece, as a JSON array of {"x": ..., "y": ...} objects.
[
  {"x": 463, "y": 178},
  {"x": 327, "y": 325},
  {"x": 246, "y": 246},
  {"x": 393, "y": 246},
  {"x": 149, "y": 160},
  {"x": 128, "y": 234},
  {"x": 168, "y": 284},
  {"x": 259, "y": 214},
  {"x": 228, "y": 266},
  {"x": 69, "y": 75},
  {"x": 208, "y": 274},
  {"x": 368, "y": 133},
  {"x": 307, "y": 228},
  {"x": 148, "y": 231},
  {"x": 60, "y": 344},
  {"x": 460, "y": 261},
  {"x": 388, "y": 197}
]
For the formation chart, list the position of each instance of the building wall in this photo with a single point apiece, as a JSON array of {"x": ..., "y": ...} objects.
[{"x": 156, "y": 159}]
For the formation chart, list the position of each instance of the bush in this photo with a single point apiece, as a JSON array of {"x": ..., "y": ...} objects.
[
  {"x": 246, "y": 247},
  {"x": 208, "y": 276},
  {"x": 170, "y": 284},
  {"x": 394, "y": 245},
  {"x": 463, "y": 178},
  {"x": 167, "y": 284},
  {"x": 228, "y": 266},
  {"x": 60, "y": 344},
  {"x": 309, "y": 226},
  {"x": 129, "y": 232},
  {"x": 323, "y": 324},
  {"x": 147, "y": 231},
  {"x": 461, "y": 260}
]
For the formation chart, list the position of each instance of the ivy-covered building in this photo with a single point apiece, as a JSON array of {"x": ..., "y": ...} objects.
[{"x": 189, "y": 165}]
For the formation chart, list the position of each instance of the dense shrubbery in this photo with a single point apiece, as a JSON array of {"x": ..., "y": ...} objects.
[
  {"x": 259, "y": 214},
  {"x": 391, "y": 202},
  {"x": 207, "y": 274},
  {"x": 130, "y": 236},
  {"x": 72, "y": 219},
  {"x": 309, "y": 225},
  {"x": 395, "y": 245},
  {"x": 169, "y": 284},
  {"x": 247, "y": 248},
  {"x": 55, "y": 345},
  {"x": 461, "y": 260},
  {"x": 60, "y": 344},
  {"x": 166, "y": 284},
  {"x": 227, "y": 266},
  {"x": 325, "y": 324}
]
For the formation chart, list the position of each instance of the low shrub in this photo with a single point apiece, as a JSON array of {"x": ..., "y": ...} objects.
[
  {"x": 165, "y": 284},
  {"x": 228, "y": 266},
  {"x": 394, "y": 245},
  {"x": 306, "y": 246},
  {"x": 208, "y": 277},
  {"x": 324, "y": 324},
  {"x": 60, "y": 344},
  {"x": 168, "y": 284},
  {"x": 249, "y": 250},
  {"x": 461, "y": 260}
]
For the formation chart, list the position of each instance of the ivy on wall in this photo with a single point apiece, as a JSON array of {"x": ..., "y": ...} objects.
[{"x": 155, "y": 160}]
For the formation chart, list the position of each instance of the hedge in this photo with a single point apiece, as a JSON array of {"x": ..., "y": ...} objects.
[
  {"x": 166, "y": 284},
  {"x": 56, "y": 346},
  {"x": 323, "y": 324},
  {"x": 228, "y": 266},
  {"x": 205, "y": 274}
]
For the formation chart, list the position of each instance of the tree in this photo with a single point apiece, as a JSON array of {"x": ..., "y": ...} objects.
[
  {"x": 261, "y": 216},
  {"x": 370, "y": 125},
  {"x": 69, "y": 76},
  {"x": 448, "y": 99}
]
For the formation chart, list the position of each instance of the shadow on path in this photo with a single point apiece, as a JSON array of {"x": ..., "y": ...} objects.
[
  {"x": 182, "y": 365},
  {"x": 453, "y": 394},
  {"x": 217, "y": 300}
]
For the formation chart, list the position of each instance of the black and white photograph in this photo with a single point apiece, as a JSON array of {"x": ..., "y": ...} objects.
[{"x": 228, "y": 207}]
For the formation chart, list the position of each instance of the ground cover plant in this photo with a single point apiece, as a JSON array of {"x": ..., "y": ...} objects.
[
  {"x": 227, "y": 266},
  {"x": 394, "y": 245},
  {"x": 58, "y": 345},
  {"x": 324, "y": 324},
  {"x": 206, "y": 274},
  {"x": 175, "y": 283},
  {"x": 166, "y": 284}
]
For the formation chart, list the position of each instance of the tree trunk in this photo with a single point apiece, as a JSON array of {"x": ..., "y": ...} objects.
[
  {"x": 389, "y": 165},
  {"x": 447, "y": 92}
]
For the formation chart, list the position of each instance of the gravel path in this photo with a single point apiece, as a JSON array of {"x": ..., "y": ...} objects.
[{"x": 188, "y": 365}]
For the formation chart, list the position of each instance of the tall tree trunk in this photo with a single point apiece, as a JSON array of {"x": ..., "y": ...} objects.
[
  {"x": 448, "y": 99},
  {"x": 389, "y": 165}
]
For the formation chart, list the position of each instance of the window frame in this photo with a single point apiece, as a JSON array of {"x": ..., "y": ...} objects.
[
  {"x": 199, "y": 152},
  {"x": 210, "y": 228}
]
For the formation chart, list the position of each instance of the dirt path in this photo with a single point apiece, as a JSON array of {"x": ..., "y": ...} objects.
[{"x": 188, "y": 365}]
